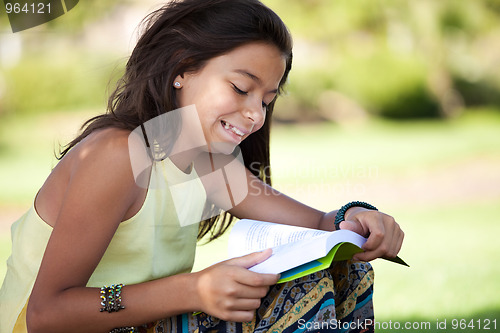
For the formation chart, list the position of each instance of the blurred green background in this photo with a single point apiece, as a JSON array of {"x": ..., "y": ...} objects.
[{"x": 393, "y": 102}]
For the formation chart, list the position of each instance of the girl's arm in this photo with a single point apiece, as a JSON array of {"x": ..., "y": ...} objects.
[
  {"x": 264, "y": 203},
  {"x": 100, "y": 190}
]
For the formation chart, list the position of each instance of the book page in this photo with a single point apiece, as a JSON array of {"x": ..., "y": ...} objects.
[
  {"x": 297, "y": 253},
  {"x": 289, "y": 255},
  {"x": 249, "y": 236}
]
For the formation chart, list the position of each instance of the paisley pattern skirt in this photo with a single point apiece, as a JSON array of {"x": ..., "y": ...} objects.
[{"x": 338, "y": 299}]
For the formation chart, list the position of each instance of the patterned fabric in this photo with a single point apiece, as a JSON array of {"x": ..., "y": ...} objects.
[{"x": 338, "y": 299}]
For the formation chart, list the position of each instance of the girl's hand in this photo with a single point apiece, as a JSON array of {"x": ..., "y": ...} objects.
[
  {"x": 231, "y": 292},
  {"x": 385, "y": 237}
]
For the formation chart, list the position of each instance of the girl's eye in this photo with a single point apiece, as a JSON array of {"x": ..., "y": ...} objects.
[
  {"x": 242, "y": 92},
  {"x": 239, "y": 91}
]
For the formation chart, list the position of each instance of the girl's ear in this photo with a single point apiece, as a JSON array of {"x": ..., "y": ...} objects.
[{"x": 179, "y": 81}]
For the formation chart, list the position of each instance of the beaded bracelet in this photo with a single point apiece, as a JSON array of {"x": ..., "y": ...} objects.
[
  {"x": 341, "y": 213},
  {"x": 111, "y": 298}
]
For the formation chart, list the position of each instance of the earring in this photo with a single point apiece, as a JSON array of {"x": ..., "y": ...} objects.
[{"x": 177, "y": 84}]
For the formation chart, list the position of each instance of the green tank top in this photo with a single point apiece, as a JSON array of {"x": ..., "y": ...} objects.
[{"x": 159, "y": 241}]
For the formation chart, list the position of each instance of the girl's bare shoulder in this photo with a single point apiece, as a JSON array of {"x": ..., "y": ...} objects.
[
  {"x": 107, "y": 141},
  {"x": 101, "y": 158},
  {"x": 104, "y": 156},
  {"x": 106, "y": 148}
]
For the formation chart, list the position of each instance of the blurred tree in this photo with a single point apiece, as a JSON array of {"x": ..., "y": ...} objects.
[
  {"x": 393, "y": 58},
  {"x": 53, "y": 66},
  {"x": 362, "y": 49}
]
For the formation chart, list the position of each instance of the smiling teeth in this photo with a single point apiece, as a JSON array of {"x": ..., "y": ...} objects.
[
  {"x": 237, "y": 131},
  {"x": 233, "y": 129}
]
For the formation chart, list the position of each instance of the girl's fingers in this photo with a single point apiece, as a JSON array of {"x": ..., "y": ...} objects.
[
  {"x": 251, "y": 259},
  {"x": 252, "y": 279},
  {"x": 241, "y": 316},
  {"x": 352, "y": 226},
  {"x": 246, "y": 304},
  {"x": 396, "y": 241},
  {"x": 239, "y": 290},
  {"x": 368, "y": 255},
  {"x": 253, "y": 292},
  {"x": 377, "y": 235},
  {"x": 385, "y": 240},
  {"x": 249, "y": 278},
  {"x": 399, "y": 243}
]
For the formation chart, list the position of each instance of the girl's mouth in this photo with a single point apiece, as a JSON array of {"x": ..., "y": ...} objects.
[{"x": 233, "y": 129}]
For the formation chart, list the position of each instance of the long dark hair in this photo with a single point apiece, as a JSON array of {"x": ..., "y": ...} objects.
[{"x": 181, "y": 37}]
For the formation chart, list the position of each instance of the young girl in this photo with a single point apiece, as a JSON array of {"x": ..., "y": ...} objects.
[{"x": 108, "y": 246}]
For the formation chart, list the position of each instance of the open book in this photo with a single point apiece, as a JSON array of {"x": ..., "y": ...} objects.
[{"x": 297, "y": 251}]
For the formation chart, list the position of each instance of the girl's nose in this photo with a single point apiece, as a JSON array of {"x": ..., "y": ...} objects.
[{"x": 255, "y": 112}]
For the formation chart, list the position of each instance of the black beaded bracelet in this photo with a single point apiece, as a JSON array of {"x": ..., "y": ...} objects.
[
  {"x": 341, "y": 213},
  {"x": 124, "y": 330}
]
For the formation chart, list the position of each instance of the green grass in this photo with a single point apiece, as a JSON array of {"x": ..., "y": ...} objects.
[
  {"x": 451, "y": 250},
  {"x": 438, "y": 179},
  {"x": 393, "y": 147}
]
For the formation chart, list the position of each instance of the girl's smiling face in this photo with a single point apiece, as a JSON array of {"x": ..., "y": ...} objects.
[{"x": 231, "y": 93}]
